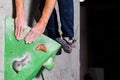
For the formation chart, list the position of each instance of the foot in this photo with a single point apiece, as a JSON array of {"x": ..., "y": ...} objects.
[{"x": 66, "y": 43}]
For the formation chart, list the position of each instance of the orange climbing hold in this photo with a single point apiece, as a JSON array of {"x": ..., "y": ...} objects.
[{"x": 41, "y": 47}]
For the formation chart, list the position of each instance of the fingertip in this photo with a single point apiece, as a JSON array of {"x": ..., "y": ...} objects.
[
  {"x": 18, "y": 39},
  {"x": 30, "y": 42},
  {"x": 26, "y": 42}
]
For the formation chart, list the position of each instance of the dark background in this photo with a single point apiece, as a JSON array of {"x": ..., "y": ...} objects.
[{"x": 102, "y": 27}]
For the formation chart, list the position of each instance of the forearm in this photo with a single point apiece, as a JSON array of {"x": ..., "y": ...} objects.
[
  {"x": 48, "y": 8},
  {"x": 20, "y": 8}
]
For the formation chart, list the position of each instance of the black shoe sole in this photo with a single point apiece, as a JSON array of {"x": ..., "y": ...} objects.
[{"x": 65, "y": 45}]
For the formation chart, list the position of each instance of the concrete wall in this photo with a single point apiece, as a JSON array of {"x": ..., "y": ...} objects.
[{"x": 67, "y": 65}]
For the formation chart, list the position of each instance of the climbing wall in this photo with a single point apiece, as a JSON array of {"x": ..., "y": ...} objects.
[{"x": 16, "y": 50}]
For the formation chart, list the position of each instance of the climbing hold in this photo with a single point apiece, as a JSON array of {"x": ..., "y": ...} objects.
[
  {"x": 18, "y": 64},
  {"x": 41, "y": 47}
]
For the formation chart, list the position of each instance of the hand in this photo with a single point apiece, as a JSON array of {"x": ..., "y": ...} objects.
[
  {"x": 20, "y": 26},
  {"x": 35, "y": 32}
]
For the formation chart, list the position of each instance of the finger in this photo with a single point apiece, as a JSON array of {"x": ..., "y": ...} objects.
[
  {"x": 28, "y": 37},
  {"x": 17, "y": 31},
  {"x": 18, "y": 34},
  {"x": 31, "y": 37},
  {"x": 22, "y": 33},
  {"x": 36, "y": 37}
]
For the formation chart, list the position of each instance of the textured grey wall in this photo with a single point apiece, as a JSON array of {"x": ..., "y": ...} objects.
[{"x": 67, "y": 65}]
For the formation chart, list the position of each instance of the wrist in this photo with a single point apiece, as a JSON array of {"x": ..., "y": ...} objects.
[
  {"x": 43, "y": 21},
  {"x": 20, "y": 15},
  {"x": 20, "y": 12},
  {"x": 44, "y": 18}
]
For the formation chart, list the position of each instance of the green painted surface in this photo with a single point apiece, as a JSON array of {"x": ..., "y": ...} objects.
[{"x": 15, "y": 49}]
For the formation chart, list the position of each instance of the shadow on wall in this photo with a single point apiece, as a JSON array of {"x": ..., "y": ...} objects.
[
  {"x": 34, "y": 13},
  {"x": 14, "y": 9}
]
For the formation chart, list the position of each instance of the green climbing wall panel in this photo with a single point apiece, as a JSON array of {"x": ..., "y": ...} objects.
[{"x": 15, "y": 49}]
